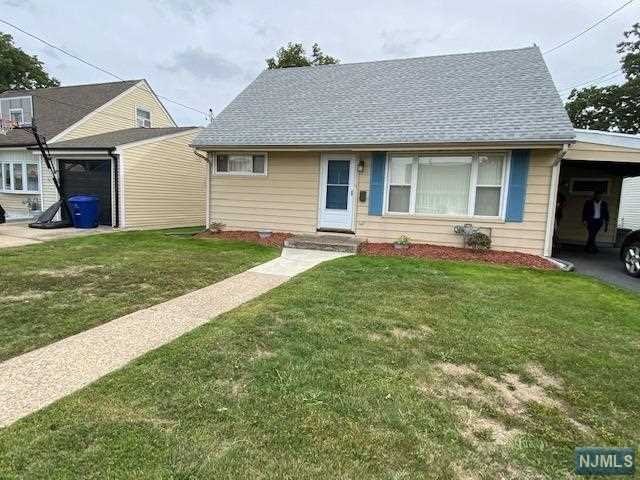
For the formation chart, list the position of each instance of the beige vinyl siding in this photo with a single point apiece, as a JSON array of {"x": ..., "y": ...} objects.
[
  {"x": 527, "y": 236},
  {"x": 13, "y": 203},
  {"x": 49, "y": 192},
  {"x": 121, "y": 114},
  {"x": 284, "y": 200},
  {"x": 163, "y": 183},
  {"x": 602, "y": 153}
]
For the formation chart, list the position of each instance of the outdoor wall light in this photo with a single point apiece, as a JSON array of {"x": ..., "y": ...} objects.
[{"x": 361, "y": 166}]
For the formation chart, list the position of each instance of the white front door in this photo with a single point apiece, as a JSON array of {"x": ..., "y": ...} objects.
[{"x": 337, "y": 183}]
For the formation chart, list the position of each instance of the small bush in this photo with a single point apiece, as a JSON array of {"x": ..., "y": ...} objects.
[
  {"x": 216, "y": 227},
  {"x": 479, "y": 241},
  {"x": 403, "y": 240}
]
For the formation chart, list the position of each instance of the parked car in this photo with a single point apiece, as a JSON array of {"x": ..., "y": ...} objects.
[{"x": 630, "y": 253}]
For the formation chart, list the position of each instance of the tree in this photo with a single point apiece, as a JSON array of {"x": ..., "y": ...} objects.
[
  {"x": 294, "y": 55},
  {"x": 19, "y": 70},
  {"x": 613, "y": 107}
]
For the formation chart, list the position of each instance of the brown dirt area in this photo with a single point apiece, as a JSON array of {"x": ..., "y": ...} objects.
[{"x": 456, "y": 253}]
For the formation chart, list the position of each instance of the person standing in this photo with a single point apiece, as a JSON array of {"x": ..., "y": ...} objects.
[{"x": 595, "y": 214}]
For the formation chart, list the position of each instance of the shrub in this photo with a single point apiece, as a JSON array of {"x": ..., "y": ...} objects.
[
  {"x": 403, "y": 240},
  {"x": 479, "y": 241},
  {"x": 216, "y": 227}
]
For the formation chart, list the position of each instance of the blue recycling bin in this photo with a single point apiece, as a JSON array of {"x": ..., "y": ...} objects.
[{"x": 85, "y": 210}]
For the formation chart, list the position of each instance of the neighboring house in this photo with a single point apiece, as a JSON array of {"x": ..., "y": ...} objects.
[
  {"x": 114, "y": 140},
  {"x": 629, "y": 216},
  {"x": 399, "y": 147}
]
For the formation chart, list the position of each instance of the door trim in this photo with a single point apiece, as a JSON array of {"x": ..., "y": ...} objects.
[{"x": 322, "y": 190}]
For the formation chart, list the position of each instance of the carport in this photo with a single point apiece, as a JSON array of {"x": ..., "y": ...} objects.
[{"x": 598, "y": 161}]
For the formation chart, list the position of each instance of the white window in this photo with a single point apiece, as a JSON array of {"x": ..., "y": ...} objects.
[
  {"x": 17, "y": 116},
  {"x": 19, "y": 177},
  {"x": 454, "y": 185},
  {"x": 241, "y": 164},
  {"x": 143, "y": 117},
  {"x": 589, "y": 186}
]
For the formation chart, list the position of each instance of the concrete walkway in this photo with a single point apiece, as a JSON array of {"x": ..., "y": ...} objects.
[
  {"x": 19, "y": 234},
  {"x": 36, "y": 379}
]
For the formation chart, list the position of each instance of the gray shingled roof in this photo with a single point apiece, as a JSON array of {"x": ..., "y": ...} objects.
[
  {"x": 118, "y": 137},
  {"x": 57, "y": 108},
  {"x": 500, "y": 96}
]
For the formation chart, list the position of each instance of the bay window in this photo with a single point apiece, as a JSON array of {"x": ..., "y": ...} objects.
[
  {"x": 19, "y": 177},
  {"x": 241, "y": 164},
  {"x": 455, "y": 185}
]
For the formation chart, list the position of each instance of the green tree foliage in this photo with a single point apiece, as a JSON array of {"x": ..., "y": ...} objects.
[
  {"x": 294, "y": 55},
  {"x": 613, "y": 107},
  {"x": 19, "y": 70}
]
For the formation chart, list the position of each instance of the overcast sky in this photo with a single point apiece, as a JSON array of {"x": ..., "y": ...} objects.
[{"x": 203, "y": 53}]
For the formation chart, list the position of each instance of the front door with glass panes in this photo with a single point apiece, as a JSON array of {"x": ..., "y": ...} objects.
[{"x": 337, "y": 177}]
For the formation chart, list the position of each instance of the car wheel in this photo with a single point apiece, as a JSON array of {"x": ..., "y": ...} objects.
[{"x": 632, "y": 259}]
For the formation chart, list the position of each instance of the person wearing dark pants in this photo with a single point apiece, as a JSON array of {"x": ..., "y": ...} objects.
[{"x": 595, "y": 214}]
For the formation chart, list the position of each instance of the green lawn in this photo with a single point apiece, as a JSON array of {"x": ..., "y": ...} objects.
[
  {"x": 365, "y": 367},
  {"x": 57, "y": 289}
]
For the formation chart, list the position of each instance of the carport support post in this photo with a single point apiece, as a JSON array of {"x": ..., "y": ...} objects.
[{"x": 551, "y": 207}]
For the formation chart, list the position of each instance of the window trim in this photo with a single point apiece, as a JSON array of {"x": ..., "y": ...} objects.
[
  {"x": 586, "y": 193},
  {"x": 143, "y": 109},
  {"x": 240, "y": 174},
  {"x": 21, "y": 110},
  {"x": 23, "y": 164},
  {"x": 504, "y": 187}
]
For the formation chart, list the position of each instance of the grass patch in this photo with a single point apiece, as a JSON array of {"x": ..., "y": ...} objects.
[
  {"x": 60, "y": 288},
  {"x": 365, "y": 367}
]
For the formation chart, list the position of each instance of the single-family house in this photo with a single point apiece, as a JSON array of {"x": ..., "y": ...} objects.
[
  {"x": 113, "y": 140},
  {"x": 410, "y": 147}
]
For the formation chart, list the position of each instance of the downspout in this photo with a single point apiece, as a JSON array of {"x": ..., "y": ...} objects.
[
  {"x": 116, "y": 188},
  {"x": 207, "y": 209},
  {"x": 553, "y": 195}
]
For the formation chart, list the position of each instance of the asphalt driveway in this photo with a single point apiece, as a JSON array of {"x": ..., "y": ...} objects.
[
  {"x": 19, "y": 234},
  {"x": 604, "y": 265}
]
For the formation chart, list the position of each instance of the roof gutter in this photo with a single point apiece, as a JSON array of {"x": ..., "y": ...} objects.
[
  {"x": 19, "y": 145},
  {"x": 555, "y": 143},
  {"x": 87, "y": 149}
]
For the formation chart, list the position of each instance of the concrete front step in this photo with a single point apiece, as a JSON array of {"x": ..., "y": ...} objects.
[{"x": 329, "y": 243}]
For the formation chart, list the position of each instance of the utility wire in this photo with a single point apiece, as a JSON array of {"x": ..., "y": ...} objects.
[
  {"x": 92, "y": 65},
  {"x": 578, "y": 35},
  {"x": 597, "y": 79}
]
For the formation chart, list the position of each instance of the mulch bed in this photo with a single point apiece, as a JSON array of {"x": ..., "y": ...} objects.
[
  {"x": 455, "y": 253},
  {"x": 275, "y": 240},
  {"x": 414, "y": 250}
]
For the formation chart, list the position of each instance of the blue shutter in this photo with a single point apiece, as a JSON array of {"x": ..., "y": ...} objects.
[
  {"x": 519, "y": 172},
  {"x": 376, "y": 182}
]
